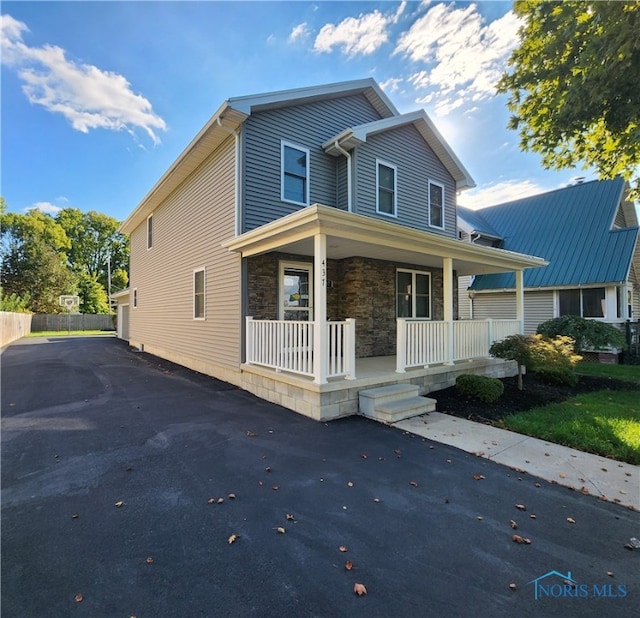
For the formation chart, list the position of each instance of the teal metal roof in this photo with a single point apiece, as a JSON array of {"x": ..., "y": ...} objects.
[
  {"x": 571, "y": 228},
  {"x": 476, "y": 222}
]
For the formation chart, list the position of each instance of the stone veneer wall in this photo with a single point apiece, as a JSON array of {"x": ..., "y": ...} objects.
[{"x": 363, "y": 288}]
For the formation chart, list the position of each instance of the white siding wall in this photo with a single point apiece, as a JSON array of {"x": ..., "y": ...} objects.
[
  {"x": 538, "y": 307},
  {"x": 187, "y": 231},
  {"x": 464, "y": 302}
]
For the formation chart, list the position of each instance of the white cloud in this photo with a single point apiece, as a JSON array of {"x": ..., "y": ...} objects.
[
  {"x": 392, "y": 84},
  {"x": 358, "y": 35},
  {"x": 500, "y": 192},
  {"x": 87, "y": 96},
  {"x": 299, "y": 32},
  {"x": 462, "y": 58},
  {"x": 46, "y": 207}
]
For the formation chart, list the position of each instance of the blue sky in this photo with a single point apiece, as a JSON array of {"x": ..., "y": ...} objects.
[{"x": 99, "y": 98}]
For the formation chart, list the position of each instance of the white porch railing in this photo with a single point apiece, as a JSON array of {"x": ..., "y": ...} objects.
[
  {"x": 286, "y": 345},
  {"x": 421, "y": 343}
]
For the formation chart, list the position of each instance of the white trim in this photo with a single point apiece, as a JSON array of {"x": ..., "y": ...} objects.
[
  {"x": 282, "y": 266},
  {"x": 203, "y": 270},
  {"x": 285, "y": 144},
  {"x": 380, "y": 162},
  {"x": 413, "y": 273},
  {"x": 437, "y": 184},
  {"x": 150, "y": 236}
]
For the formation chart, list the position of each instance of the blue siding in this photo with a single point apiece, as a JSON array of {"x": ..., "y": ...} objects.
[
  {"x": 416, "y": 164},
  {"x": 308, "y": 125}
]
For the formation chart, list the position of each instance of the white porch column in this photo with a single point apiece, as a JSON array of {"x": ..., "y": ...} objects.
[
  {"x": 447, "y": 285},
  {"x": 520, "y": 299},
  {"x": 320, "y": 343}
]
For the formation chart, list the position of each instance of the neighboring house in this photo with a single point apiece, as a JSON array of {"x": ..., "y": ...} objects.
[
  {"x": 304, "y": 246},
  {"x": 588, "y": 233}
]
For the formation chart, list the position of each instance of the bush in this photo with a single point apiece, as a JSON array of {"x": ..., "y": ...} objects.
[
  {"x": 514, "y": 347},
  {"x": 554, "y": 360},
  {"x": 586, "y": 333},
  {"x": 480, "y": 387}
]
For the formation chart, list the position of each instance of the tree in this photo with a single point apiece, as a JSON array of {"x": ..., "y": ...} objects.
[
  {"x": 96, "y": 247},
  {"x": 93, "y": 297},
  {"x": 33, "y": 254},
  {"x": 573, "y": 85}
]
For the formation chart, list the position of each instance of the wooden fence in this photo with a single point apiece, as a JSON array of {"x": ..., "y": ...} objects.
[
  {"x": 13, "y": 326},
  {"x": 73, "y": 321}
]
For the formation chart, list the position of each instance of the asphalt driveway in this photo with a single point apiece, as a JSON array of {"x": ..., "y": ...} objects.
[{"x": 118, "y": 477}]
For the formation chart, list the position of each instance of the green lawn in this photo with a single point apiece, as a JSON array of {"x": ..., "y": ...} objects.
[
  {"x": 606, "y": 423},
  {"x": 73, "y": 333}
]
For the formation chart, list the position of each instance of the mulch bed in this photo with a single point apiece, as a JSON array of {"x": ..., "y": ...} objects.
[{"x": 536, "y": 393}]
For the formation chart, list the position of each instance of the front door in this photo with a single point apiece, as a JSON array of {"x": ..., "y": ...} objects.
[{"x": 296, "y": 291}]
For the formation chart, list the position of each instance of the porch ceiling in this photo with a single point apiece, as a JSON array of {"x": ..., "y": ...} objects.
[{"x": 351, "y": 235}]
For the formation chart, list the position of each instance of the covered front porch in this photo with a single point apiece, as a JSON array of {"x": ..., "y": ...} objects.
[{"x": 304, "y": 364}]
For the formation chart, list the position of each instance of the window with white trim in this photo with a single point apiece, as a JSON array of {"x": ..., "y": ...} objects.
[
  {"x": 386, "y": 188},
  {"x": 149, "y": 231},
  {"x": 436, "y": 204},
  {"x": 199, "y": 294},
  {"x": 295, "y": 174},
  {"x": 585, "y": 302},
  {"x": 413, "y": 294}
]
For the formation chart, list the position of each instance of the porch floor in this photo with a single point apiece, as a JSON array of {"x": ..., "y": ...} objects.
[{"x": 339, "y": 397}]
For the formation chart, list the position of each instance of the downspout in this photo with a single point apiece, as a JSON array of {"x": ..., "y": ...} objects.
[
  {"x": 236, "y": 135},
  {"x": 342, "y": 151}
]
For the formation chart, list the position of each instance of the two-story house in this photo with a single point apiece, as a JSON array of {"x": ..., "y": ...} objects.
[{"x": 304, "y": 247}]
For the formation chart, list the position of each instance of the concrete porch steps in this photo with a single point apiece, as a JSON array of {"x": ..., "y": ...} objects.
[{"x": 393, "y": 403}]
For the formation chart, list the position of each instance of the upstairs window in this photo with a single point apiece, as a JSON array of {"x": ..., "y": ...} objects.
[
  {"x": 436, "y": 205},
  {"x": 295, "y": 174},
  {"x": 149, "y": 231},
  {"x": 413, "y": 293},
  {"x": 386, "y": 188},
  {"x": 198, "y": 294}
]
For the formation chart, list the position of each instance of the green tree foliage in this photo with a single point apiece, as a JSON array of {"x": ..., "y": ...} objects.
[
  {"x": 573, "y": 85},
  {"x": 92, "y": 294},
  {"x": 586, "y": 333},
  {"x": 95, "y": 241},
  {"x": 14, "y": 303},
  {"x": 515, "y": 347},
  {"x": 33, "y": 250}
]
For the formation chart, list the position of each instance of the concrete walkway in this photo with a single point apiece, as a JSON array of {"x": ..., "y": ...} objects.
[{"x": 606, "y": 478}]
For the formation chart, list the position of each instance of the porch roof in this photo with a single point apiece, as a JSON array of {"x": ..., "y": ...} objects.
[{"x": 351, "y": 235}]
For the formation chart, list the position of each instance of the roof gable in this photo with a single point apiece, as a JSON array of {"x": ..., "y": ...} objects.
[
  {"x": 472, "y": 222},
  {"x": 572, "y": 229}
]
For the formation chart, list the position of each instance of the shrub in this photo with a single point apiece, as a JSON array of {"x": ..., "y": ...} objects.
[
  {"x": 480, "y": 387},
  {"x": 586, "y": 333},
  {"x": 514, "y": 347},
  {"x": 554, "y": 360}
]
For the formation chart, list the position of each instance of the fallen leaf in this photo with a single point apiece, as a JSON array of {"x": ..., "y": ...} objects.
[
  {"x": 348, "y": 565},
  {"x": 513, "y": 524},
  {"x": 233, "y": 538},
  {"x": 359, "y": 589},
  {"x": 446, "y": 500},
  {"x": 479, "y": 518},
  {"x": 78, "y": 598},
  {"x": 538, "y": 485},
  {"x": 413, "y": 484},
  {"x": 119, "y": 503},
  {"x": 610, "y": 573},
  {"x": 149, "y": 560},
  {"x": 516, "y": 538},
  {"x": 280, "y": 530},
  {"x": 267, "y": 469},
  {"x": 350, "y": 484},
  {"x": 75, "y": 516},
  {"x": 290, "y": 517},
  {"x": 129, "y": 468},
  {"x": 512, "y": 586},
  {"x": 449, "y": 461},
  {"x": 364, "y": 455},
  {"x": 342, "y": 548},
  {"x": 220, "y": 500},
  {"x": 376, "y": 500},
  {"x": 211, "y": 500},
  {"x": 521, "y": 507},
  {"x": 571, "y": 520},
  {"x": 275, "y": 487},
  {"x": 231, "y": 496},
  {"x": 478, "y": 477},
  {"x": 562, "y": 475},
  {"x": 251, "y": 434},
  {"x": 532, "y": 516}
]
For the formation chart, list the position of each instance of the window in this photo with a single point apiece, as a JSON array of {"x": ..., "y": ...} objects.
[
  {"x": 436, "y": 205},
  {"x": 386, "y": 184},
  {"x": 413, "y": 293},
  {"x": 149, "y": 231},
  {"x": 135, "y": 297},
  {"x": 296, "y": 291},
  {"x": 295, "y": 174},
  {"x": 198, "y": 294},
  {"x": 587, "y": 303}
]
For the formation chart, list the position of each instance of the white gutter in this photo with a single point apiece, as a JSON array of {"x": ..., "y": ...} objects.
[
  {"x": 341, "y": 150},
  {"x": 236, "y": 136}
]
